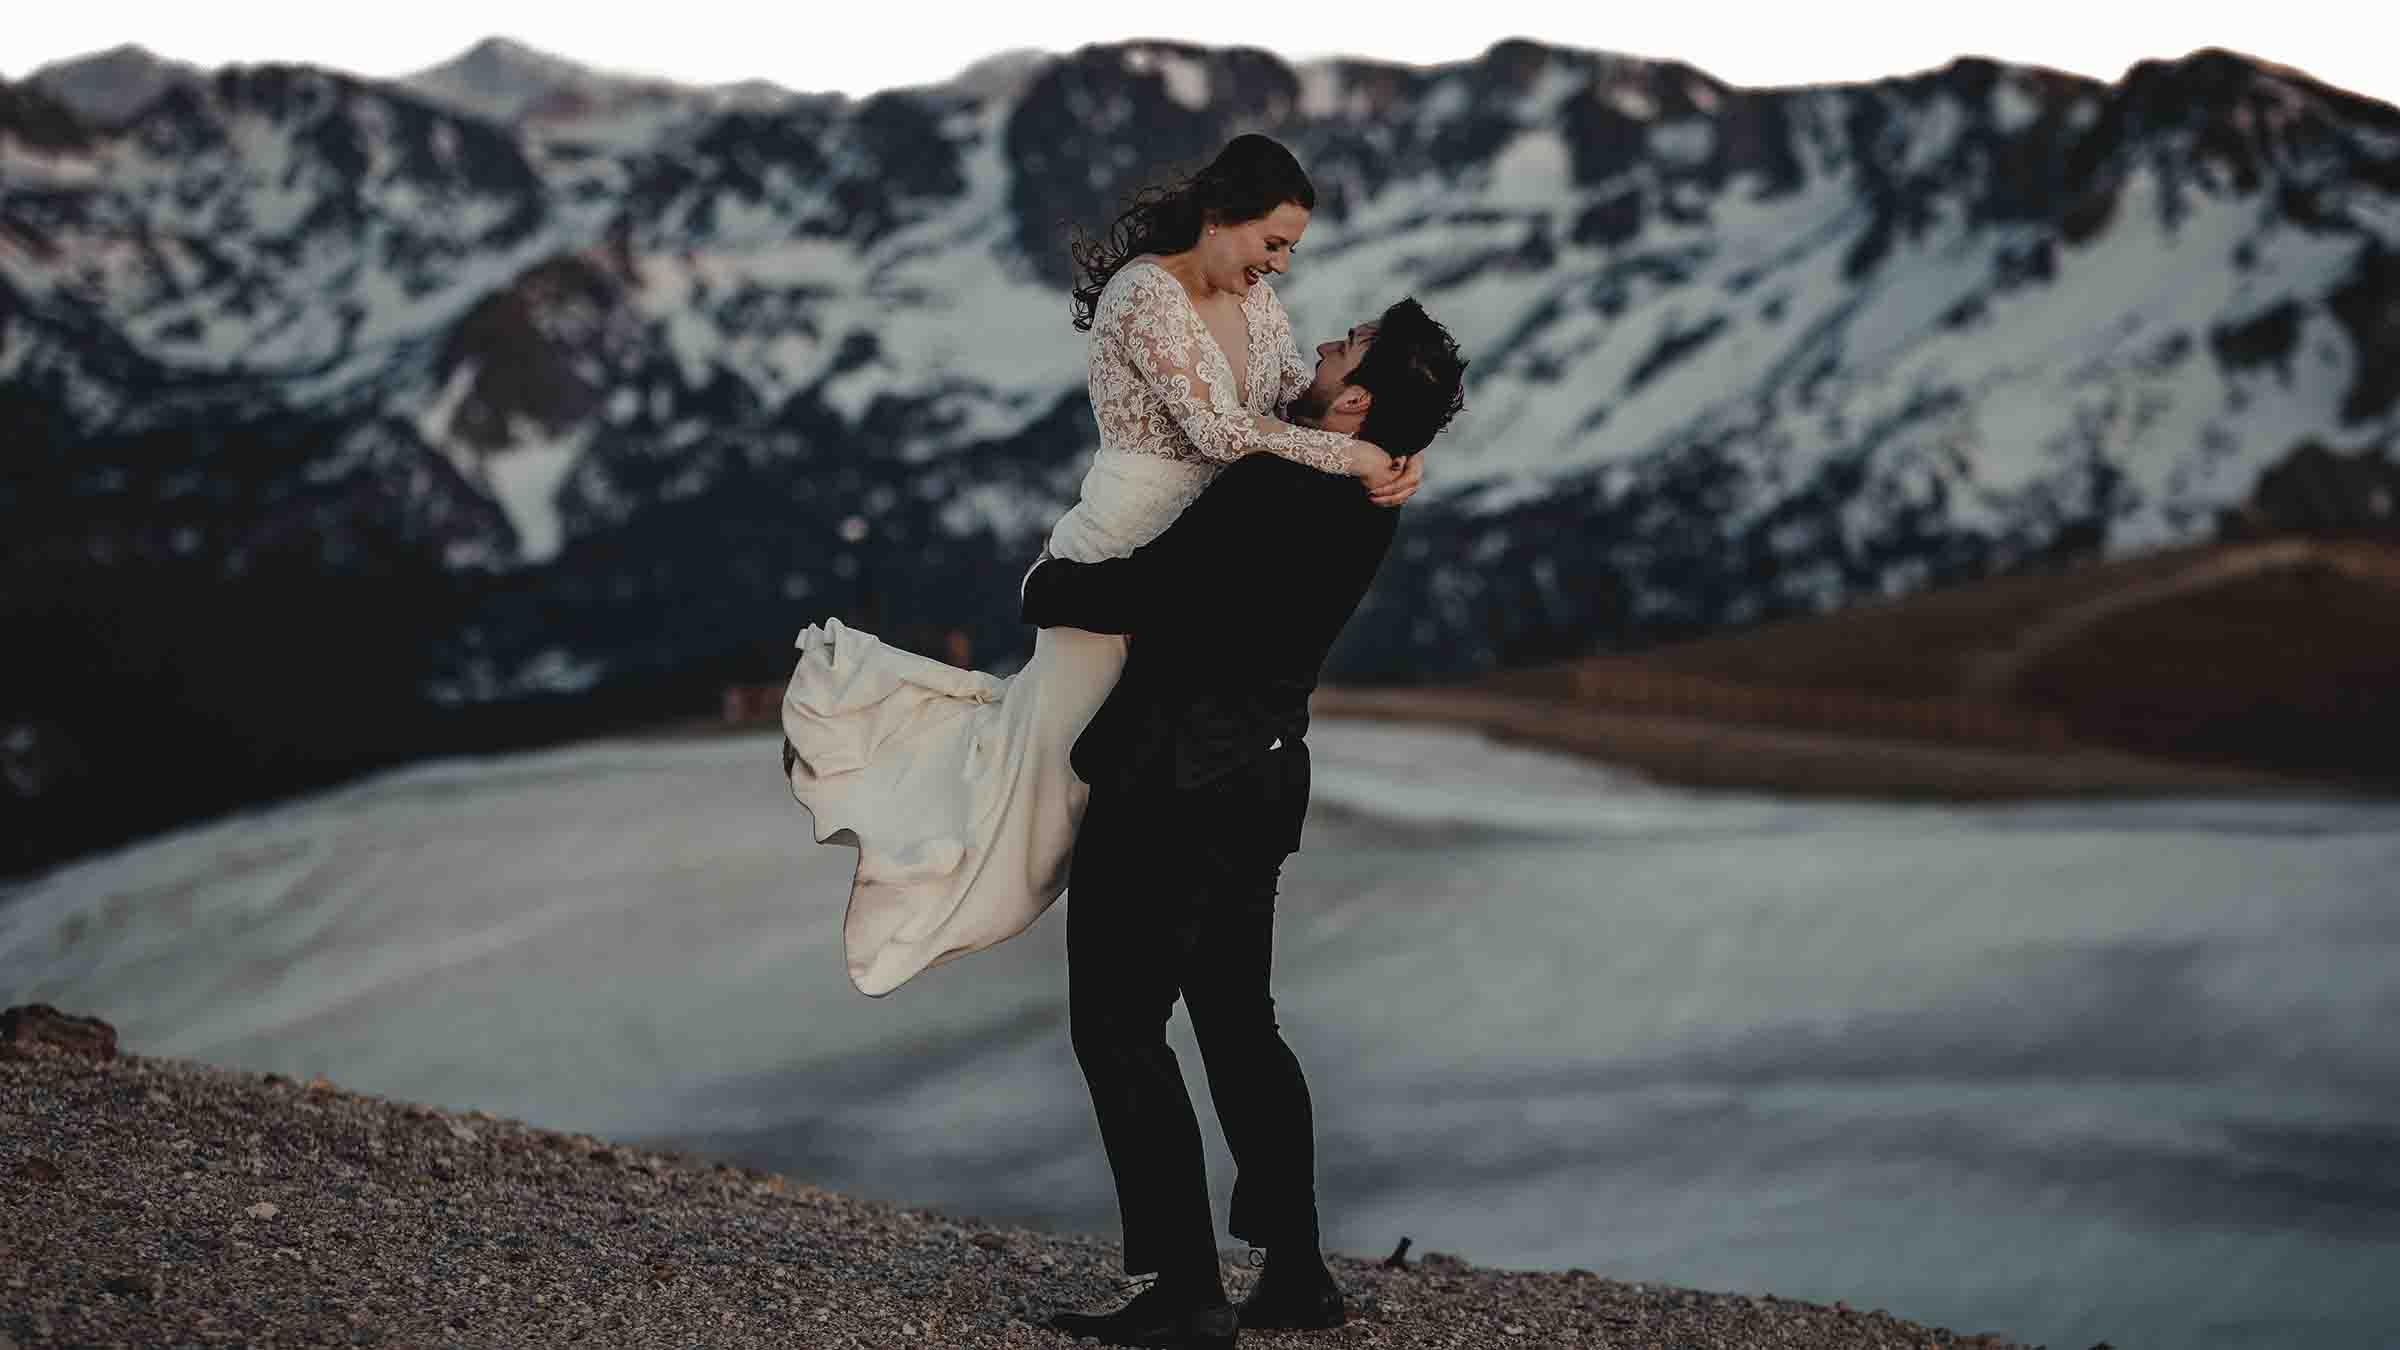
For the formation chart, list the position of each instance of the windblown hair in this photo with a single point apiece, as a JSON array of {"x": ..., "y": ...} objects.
[
  {"x": 1417, "y": 377},
  {"x": 1250, "y": 177}
]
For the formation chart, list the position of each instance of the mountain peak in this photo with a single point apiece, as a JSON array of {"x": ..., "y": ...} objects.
[
  {"x": 107, "y": 88},
  {"x": 503, "y": 79},
  {"x": 498, "y": 58},
  {"x": 2214, "y": 74},
  {"x": 1000, "y": 75}
]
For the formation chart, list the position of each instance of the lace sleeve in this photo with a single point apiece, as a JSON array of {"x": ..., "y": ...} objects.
[{"x": 1151, "y": 325}]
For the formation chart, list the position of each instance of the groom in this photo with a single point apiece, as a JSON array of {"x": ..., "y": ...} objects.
[{"x": 1199, "y": 779}]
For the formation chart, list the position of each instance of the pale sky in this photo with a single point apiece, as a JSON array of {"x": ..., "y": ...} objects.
[{"x": 859, "y": 46}]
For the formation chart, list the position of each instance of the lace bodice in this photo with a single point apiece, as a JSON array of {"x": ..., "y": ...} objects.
[
  {"x": 1170, "y": 417},
  {"x": 1161, "y": 385}
]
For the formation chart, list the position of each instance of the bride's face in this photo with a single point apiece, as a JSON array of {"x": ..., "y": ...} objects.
[{"x": 1240, "y": 253}]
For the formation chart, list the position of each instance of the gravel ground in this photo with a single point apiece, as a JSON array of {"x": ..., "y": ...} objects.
[{"x": 158, "y": 1202}]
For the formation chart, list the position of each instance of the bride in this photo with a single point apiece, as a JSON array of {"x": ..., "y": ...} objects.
[{"x": 953, "y": 784}]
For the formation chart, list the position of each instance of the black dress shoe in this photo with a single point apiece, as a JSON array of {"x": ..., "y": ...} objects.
[
  {"x": 1304, "y": 1301},
  {"x": 1157, "y": 1318}
]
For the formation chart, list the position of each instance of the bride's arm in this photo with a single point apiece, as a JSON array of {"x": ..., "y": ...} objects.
[{"x": 1149, "y": 324}]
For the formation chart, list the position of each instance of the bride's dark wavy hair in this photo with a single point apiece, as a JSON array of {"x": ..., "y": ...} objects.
[{"x": 1250, "y": 177}]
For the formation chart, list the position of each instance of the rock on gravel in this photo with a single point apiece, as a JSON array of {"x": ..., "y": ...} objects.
[
  {"x": 155, "y": 1202},
  {"x": 38, "y": 1028}
]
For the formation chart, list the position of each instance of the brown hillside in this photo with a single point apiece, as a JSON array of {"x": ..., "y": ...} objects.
[{"x": 2281, "y": 653}]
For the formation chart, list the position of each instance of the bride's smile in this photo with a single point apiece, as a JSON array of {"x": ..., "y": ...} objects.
[{"x": 1236, "y": 256}]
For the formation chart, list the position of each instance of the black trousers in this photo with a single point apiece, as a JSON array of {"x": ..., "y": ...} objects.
[{"x": 1173, "y": 894}]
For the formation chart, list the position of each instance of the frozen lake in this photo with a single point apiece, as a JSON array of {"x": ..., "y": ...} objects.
[{"x": 2074, "y": 1072}]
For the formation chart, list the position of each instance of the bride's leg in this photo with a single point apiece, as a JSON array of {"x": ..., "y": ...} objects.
[
  {"x": 1023, "y": 805},
  {"x": 1069, "y": 677},
  {"x": 1081, "y": 670}
]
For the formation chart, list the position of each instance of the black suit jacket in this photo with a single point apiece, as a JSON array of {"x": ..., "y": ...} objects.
[{"x": 1232, "y": 611}]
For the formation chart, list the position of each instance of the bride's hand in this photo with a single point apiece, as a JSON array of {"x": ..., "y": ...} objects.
[
  {"x": 1401, "y": 487},
  {"x": 1377, "y": 471},
  {"x": 1388, "y": 481},
  {"x": 1368, "y": 463}
]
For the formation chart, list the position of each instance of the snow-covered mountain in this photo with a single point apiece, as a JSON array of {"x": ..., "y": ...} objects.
[
  {"x": 108, "y": 87},
  {"x": 508, "y": 82},
  {"x": 646, "y": 378}
]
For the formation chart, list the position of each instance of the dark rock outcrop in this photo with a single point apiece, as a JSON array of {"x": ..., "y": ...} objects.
[{"x": 31, "y": 1029}]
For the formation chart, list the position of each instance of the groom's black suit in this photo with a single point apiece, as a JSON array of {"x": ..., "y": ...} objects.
[{"x": 1199, "y": 781}]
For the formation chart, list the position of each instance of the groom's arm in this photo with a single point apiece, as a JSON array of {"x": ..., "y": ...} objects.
[{"x": 1117, "y": 595}]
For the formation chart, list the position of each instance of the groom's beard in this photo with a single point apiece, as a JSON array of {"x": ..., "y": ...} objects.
[{"x": 1308, "y": 409}]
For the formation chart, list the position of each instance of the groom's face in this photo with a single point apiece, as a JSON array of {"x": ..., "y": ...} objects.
[{"x": 1335, "y": 361}]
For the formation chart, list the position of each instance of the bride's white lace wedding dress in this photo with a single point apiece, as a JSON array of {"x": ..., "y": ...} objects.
[{"x": 954, "y": 784}]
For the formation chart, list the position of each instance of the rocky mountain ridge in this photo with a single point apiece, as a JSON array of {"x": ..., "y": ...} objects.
[{"x": 609, "y": 384}]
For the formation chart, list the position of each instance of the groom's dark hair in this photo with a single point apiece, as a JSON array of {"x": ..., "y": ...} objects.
[{"x": 1417, "y": 377}]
